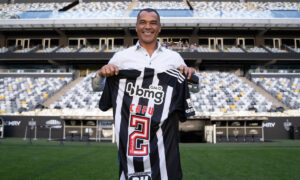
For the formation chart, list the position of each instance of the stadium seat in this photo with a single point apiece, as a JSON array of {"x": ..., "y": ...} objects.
[
  {"x": 69, "y": 137},
  {"x": 284, "y": 89},
  {"x": 224, "y": 139},
  {"x": 81, "y": 96},
  {"x": 240, "y": 138},
  {"x": 27, "y": 93},
  {"x": 248, "y": 138},
  {"x": 231, "y": 138},
  {"x": 85, "y": 137},
  {"x": 225, "y": 92},
  {"x": 256, "y": 138},
  {"x": 76, "y": 137}
]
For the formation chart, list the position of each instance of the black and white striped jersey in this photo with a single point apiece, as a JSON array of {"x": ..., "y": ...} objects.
[{"x": 145, "y": 105}]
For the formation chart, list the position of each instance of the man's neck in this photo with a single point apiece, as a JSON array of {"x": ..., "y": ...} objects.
[{"x": 150, "y": 48}]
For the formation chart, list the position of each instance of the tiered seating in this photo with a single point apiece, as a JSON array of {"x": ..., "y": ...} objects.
[
  {"x": 284, "y": 89},
  {"x": 66, "y": 50},
  {"x": 21, "y": 94},
  {"x": 11, "y": 10},
  {"x": 25, "y": 50},
  {"x": 47, "y": 50},
  {"x": 242, "y": 6},
  {"x": 162, "y": 5},
  {"x": 264, "y": 6},
  {"x": 235, "y": 49},
  {"x": 240, "y": 9},
  {"x": 275, "y": 50},
  {"x": 101, "y": 6},
  {"x": 116, "y": 49},
  {"x": 217, "y": 6},
  {"x": 224, "y": 92},
  {"x": 203, "y": 49},
  {"x": 88, "y": 49},
  {"x": 21, "y": 7},
  {"x": 3, "y": 50},
  {"x": 257, "y": 50},
  {"x": 96, "y": 10},
  {"x": 297, "y": 50},
  {"x": 80, "y": 96}
]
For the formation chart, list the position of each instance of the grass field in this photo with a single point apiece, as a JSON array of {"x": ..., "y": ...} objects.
[{"x": 75, "y": 160}]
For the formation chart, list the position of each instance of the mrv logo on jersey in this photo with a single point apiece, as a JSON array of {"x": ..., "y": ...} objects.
[{"x": 154, "y": 92}]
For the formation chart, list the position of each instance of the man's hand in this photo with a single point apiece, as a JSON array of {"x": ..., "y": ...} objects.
[
  {"x": 108, "y": 70},
  {"x": 188, "y": 71}
]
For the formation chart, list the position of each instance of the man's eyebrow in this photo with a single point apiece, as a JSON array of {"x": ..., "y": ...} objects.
[{"x": 146, "y": 20}]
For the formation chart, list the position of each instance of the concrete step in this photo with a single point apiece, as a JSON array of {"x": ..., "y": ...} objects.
[
  {"x": 266, "y": 94},
  {"x": 61, "y": 92}
]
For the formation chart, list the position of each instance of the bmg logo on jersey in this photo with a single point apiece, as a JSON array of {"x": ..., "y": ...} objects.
[{"x": 154, "y": 92}]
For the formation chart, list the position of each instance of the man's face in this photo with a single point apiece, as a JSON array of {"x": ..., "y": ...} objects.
[{"x": 147, "y": 27}]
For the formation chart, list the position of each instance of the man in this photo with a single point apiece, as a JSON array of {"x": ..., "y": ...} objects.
[
  {"x": 147, "y": 52},
  {"x": 146, "y": 126}
]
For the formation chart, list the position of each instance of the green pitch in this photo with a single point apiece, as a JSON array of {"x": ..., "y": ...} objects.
[{"x": 49, "y": 160}]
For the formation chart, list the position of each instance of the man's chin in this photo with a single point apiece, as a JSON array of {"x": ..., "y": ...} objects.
[{"x": 146, "y": 41}]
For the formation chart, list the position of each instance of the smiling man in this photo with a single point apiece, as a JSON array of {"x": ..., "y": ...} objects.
[
  {"x": 148, "y": 95},
  {"x": 147, "y": 52}
]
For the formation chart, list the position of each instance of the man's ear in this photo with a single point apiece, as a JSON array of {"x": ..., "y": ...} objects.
[{"x": 159, "y": 28}]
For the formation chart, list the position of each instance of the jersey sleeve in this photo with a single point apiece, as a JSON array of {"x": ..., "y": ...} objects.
[
  {"x": 183, "y": 101},
  {"x": 187, "y": 104},
  {"x": 105, "y": 102}
]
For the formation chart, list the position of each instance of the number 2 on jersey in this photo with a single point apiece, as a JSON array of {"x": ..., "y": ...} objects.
[{"x": 140, "y": 134}]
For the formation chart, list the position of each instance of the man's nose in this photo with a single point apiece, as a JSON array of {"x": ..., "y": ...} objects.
[{"x": 147, "y": 25}]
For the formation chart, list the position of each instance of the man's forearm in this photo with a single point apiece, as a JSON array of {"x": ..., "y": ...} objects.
[{"x": 97, "y": 83}]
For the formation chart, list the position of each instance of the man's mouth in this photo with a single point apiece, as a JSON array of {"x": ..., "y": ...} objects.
[{"x": 148, "y": 33}]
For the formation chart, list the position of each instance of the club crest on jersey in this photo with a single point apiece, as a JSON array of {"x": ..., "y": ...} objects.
[{"x": 154, "y": 92}]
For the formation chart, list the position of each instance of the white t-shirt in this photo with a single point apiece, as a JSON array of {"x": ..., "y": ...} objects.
[{"x": 136, "y": 57}]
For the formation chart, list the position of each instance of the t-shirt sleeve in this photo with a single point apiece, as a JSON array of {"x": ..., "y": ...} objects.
[
  {"x": 115, "y": 59},
  {"x": 179, "y": 60},
  {"x": 105, "y": 102}
]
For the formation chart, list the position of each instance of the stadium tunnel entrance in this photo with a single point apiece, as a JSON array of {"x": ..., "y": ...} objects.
[
  {"x": 86, "y": 128},
  {"x": 238, "y": 129}
]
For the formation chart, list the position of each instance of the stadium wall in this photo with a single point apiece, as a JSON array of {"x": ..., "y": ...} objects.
[
  {"x": 280, "y": 128},
  {"x": 15, "y": 126}
]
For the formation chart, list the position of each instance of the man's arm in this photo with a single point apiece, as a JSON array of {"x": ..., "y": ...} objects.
[
  {"x": 98, "y": 81},
  {"x": 108, "y": 70},
  {"x": 188, "y": 71}
]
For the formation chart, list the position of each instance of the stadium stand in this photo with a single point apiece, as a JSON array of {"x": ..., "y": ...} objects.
[
  {"x": 81, "y": 96},
  {"x": 3, "y": 50},
  {"x": 18, "y": 10},
  {"x": 285, "y": 89},
  {"x": 240, "y": 9},
  {"x": 222, "y": 92},
  {"x": 66, "y": 50},
  {"x": 25, "y": 93},
  {"x": 161, "y": 5},
  {"x": 223, "y": 39}
]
